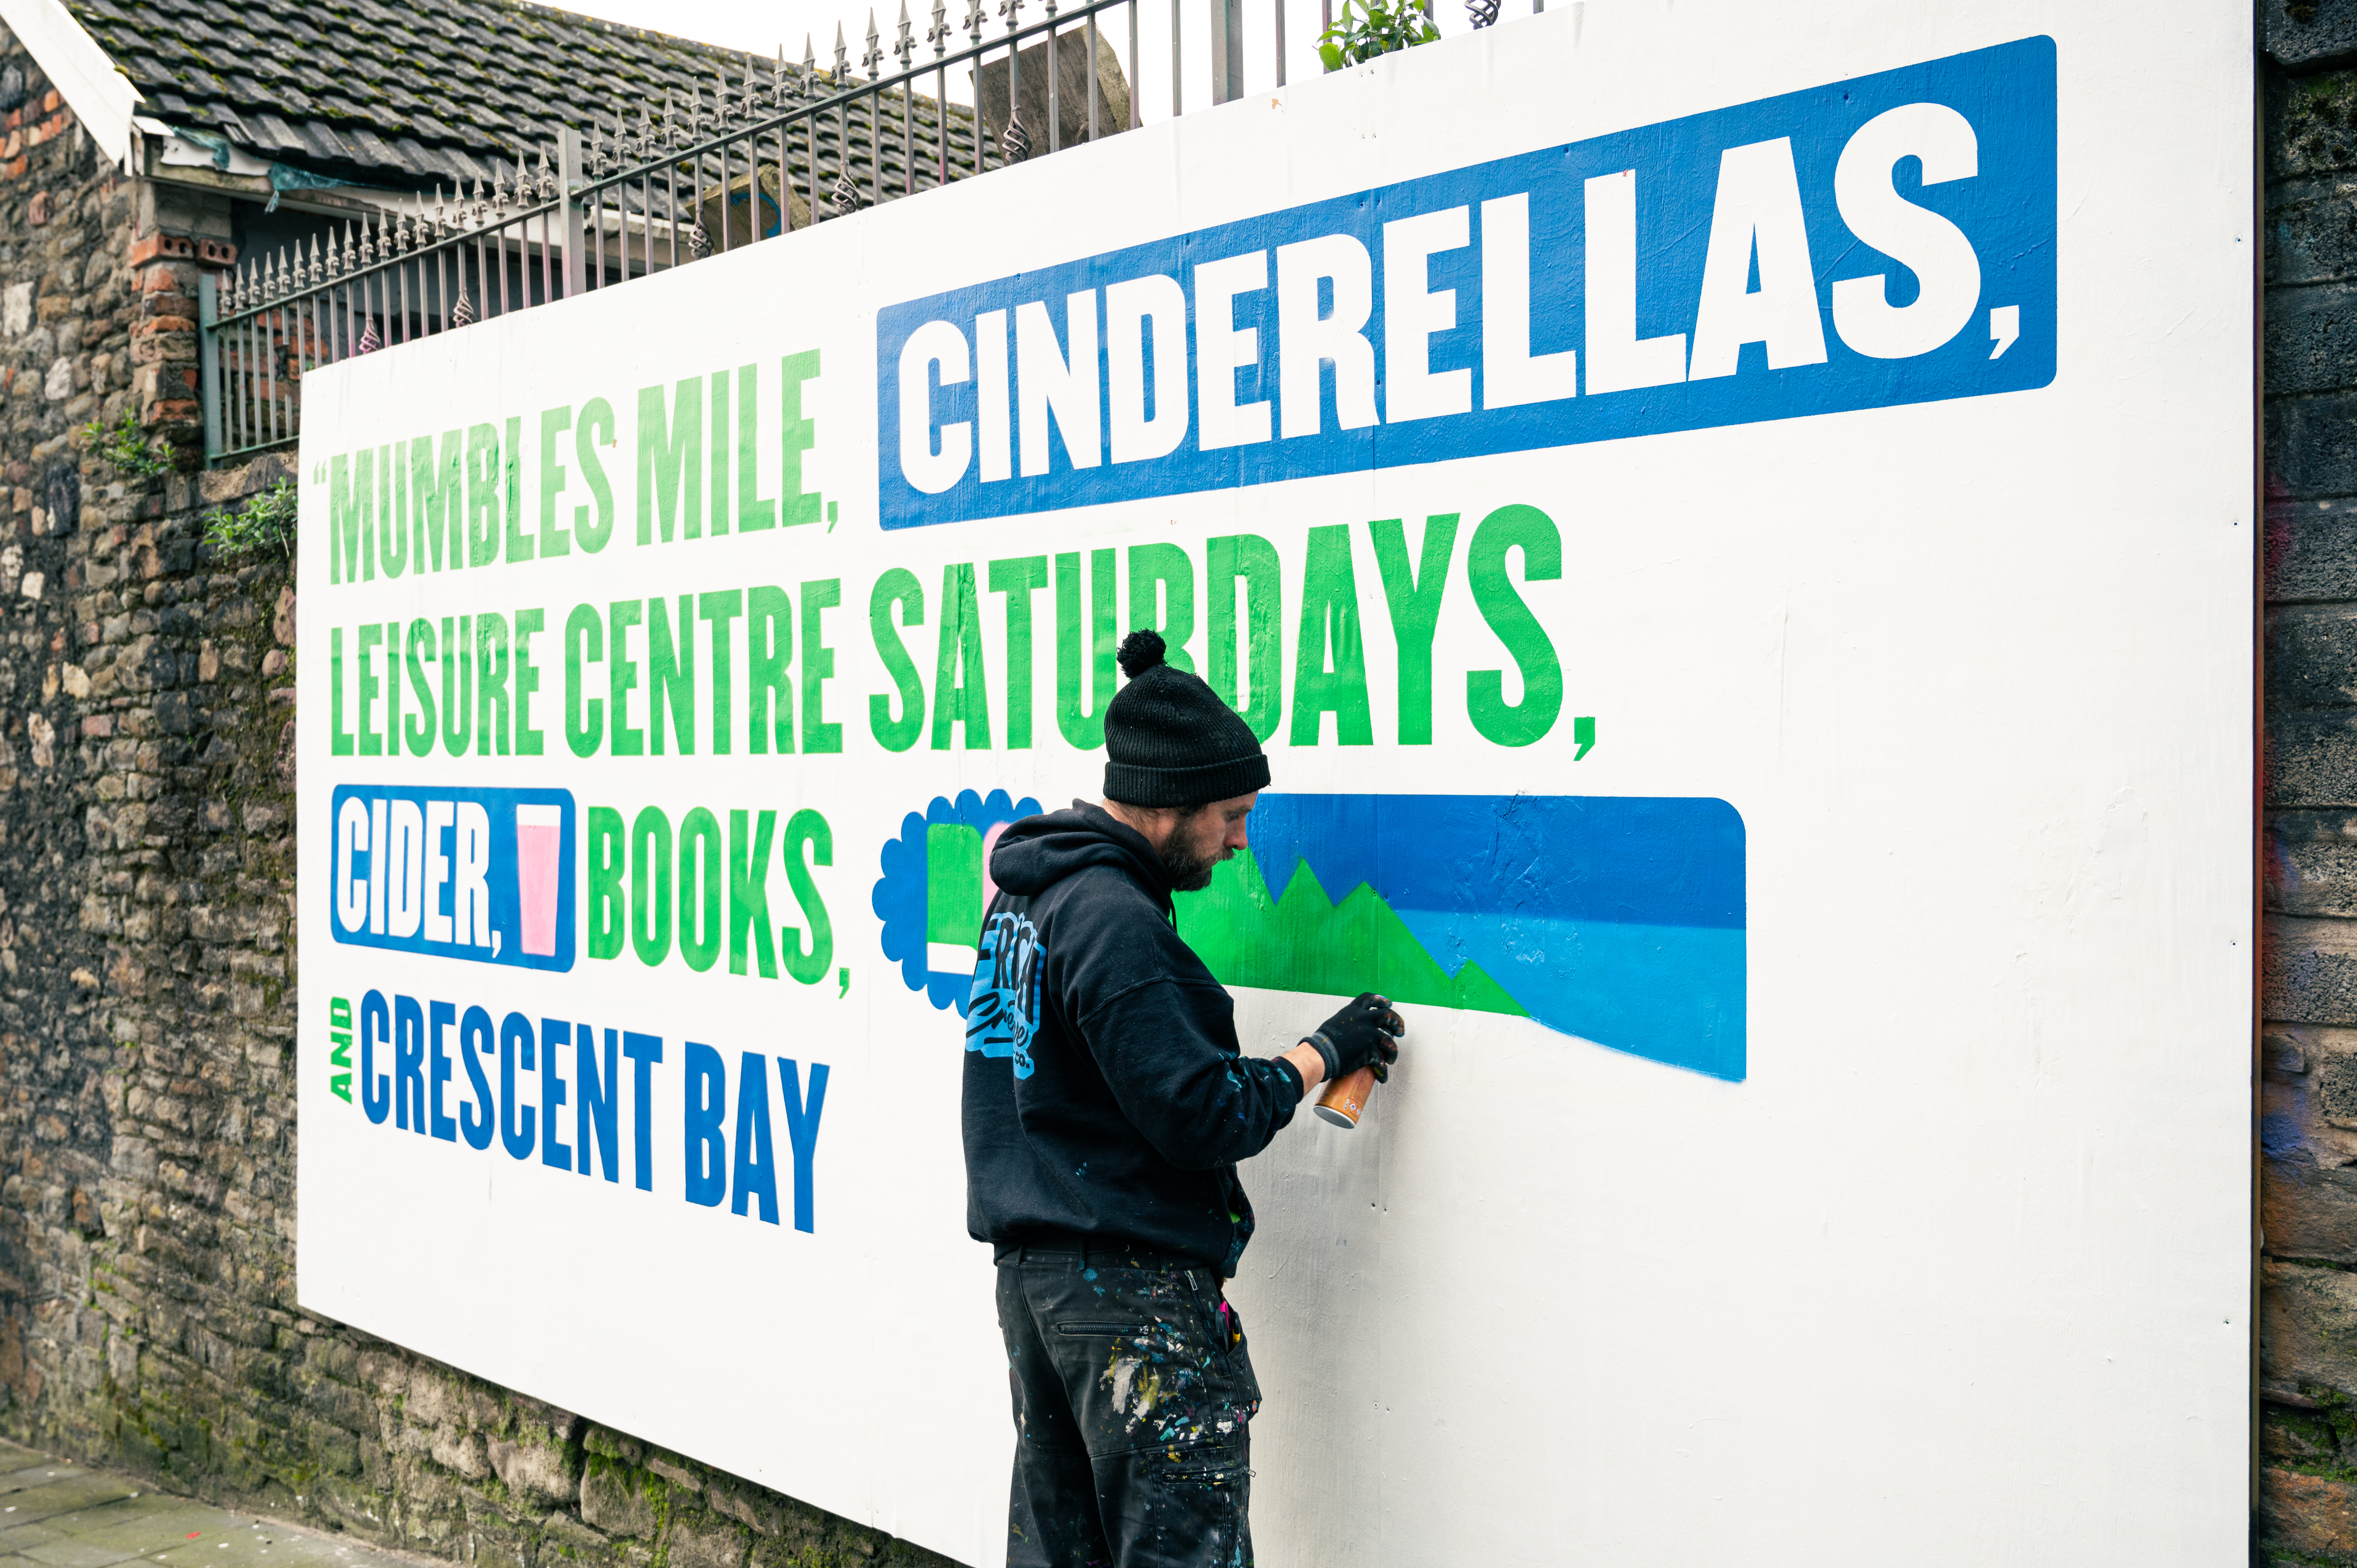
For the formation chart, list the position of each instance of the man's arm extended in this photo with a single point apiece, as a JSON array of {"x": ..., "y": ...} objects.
[{"x": 1169, "y": 1054}]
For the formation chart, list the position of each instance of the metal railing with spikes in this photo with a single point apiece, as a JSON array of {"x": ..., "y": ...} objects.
[
  {"x": 610, "y": 205},
  {"x": 396, "y": 274}
]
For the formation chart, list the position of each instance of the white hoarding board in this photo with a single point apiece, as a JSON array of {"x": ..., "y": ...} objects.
[{"x": 1735, "y": 526}]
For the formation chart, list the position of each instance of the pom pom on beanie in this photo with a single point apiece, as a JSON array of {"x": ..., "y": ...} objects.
[
  {"x": 1141, "y": 650},
  {"x": 1169, "y": 738}
]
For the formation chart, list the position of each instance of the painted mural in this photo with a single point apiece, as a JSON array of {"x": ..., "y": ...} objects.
[{"x": 1616, "y": 920}]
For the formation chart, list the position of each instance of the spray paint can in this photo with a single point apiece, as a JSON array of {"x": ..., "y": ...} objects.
[{"x": 1345, "y": 1099}]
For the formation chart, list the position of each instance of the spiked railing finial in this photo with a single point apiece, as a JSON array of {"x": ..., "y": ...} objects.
[
  {"x": 874, "y": 55},
  {"x": 842, "y": 58},
  {"x": 938, "y": 34}
]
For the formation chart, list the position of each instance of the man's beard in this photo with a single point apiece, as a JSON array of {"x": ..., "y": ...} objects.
[{"x": 1189, "y": 873}]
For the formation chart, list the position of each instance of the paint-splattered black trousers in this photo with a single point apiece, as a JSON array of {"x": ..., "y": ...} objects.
[{"x": 1133, "y": 1389}]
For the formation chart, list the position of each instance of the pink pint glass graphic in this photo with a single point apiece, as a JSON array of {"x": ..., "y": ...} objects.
[{"x": 538, "y": 832}]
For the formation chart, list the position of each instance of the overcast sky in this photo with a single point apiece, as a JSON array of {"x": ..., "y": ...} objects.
[{"x": 761, "y": 27}]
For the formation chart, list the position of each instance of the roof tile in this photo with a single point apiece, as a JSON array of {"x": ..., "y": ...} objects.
[
  {"x": 432, "y": 92},
  {"x": 332, "y": 147},
  {"x": 278, "y": 135},
  {"x": 374, "y": 151}
]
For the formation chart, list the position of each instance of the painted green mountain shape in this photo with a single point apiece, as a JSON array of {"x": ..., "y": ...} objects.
[{"x": 1305, "y": 941}]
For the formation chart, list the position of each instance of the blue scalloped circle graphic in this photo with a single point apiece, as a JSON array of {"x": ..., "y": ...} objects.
[{"x": 898, "y": 898}]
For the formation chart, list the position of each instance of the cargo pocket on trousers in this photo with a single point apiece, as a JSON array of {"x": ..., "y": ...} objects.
[
  {"x": 1236, "y": 1355},
  {"x": 1226, "y": 1464}
]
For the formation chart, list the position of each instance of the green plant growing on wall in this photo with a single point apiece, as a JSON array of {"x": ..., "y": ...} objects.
[
  {"x": 124, "y": 446},
  {"x": 1365, "y": 28},
  {"x": 262, "y": 524}
]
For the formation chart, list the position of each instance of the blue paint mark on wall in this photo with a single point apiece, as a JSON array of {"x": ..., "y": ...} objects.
[
  {"x": 921, "y": 901},
  {"x": 1618, "y": 919}
]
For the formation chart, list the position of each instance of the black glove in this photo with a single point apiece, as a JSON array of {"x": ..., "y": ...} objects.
[{"x": 1364, "y": 1033}]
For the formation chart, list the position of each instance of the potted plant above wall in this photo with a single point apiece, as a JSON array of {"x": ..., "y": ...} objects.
[{"x": 1365, "y": 28}]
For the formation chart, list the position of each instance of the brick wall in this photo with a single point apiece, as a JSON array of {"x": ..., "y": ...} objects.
[
  {"x": 148, "y": 1315},
  {"x": 2307, "y": 1487}
]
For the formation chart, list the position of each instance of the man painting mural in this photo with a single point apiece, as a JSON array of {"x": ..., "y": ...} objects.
[{"x": 1106, "y": 1105}]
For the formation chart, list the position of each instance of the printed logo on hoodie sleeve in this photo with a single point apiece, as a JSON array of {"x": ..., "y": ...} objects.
[{"x": 1002, "y": 1012}]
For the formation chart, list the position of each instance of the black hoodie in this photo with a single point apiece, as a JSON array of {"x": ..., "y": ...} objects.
[{"x": 1105, "y": 1095}]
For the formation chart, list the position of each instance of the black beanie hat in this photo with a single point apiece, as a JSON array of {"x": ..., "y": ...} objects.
[{"x": 1169, "y": 740}]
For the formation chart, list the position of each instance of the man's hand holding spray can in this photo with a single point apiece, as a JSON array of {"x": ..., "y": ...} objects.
[{"x": 1358, "y": 1044}]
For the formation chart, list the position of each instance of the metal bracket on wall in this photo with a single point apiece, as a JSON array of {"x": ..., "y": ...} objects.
[
  {"x": 208, "y": 361},
  {"x": 1228, "y": 51},
  {"x": 570, "y": 179}
]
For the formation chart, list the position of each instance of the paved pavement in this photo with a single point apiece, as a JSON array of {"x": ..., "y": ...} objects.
[{"x": 58, "y": 1514}]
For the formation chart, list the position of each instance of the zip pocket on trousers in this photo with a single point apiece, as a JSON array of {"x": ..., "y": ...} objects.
[
  {"x": 1219, "y": 1470},
  {"x": 1119, "y": 1330}
]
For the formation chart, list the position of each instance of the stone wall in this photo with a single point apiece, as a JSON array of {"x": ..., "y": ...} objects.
[
  {"x": 148, "y": 1315},
  {"x": 2307, "y": 1373}
]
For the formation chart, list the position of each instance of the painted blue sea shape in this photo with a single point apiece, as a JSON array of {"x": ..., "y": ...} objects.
[{"x": 1619, "y": 919}]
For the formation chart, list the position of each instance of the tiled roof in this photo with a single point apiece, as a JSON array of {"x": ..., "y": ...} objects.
[{"x": 437, "y": 91}]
